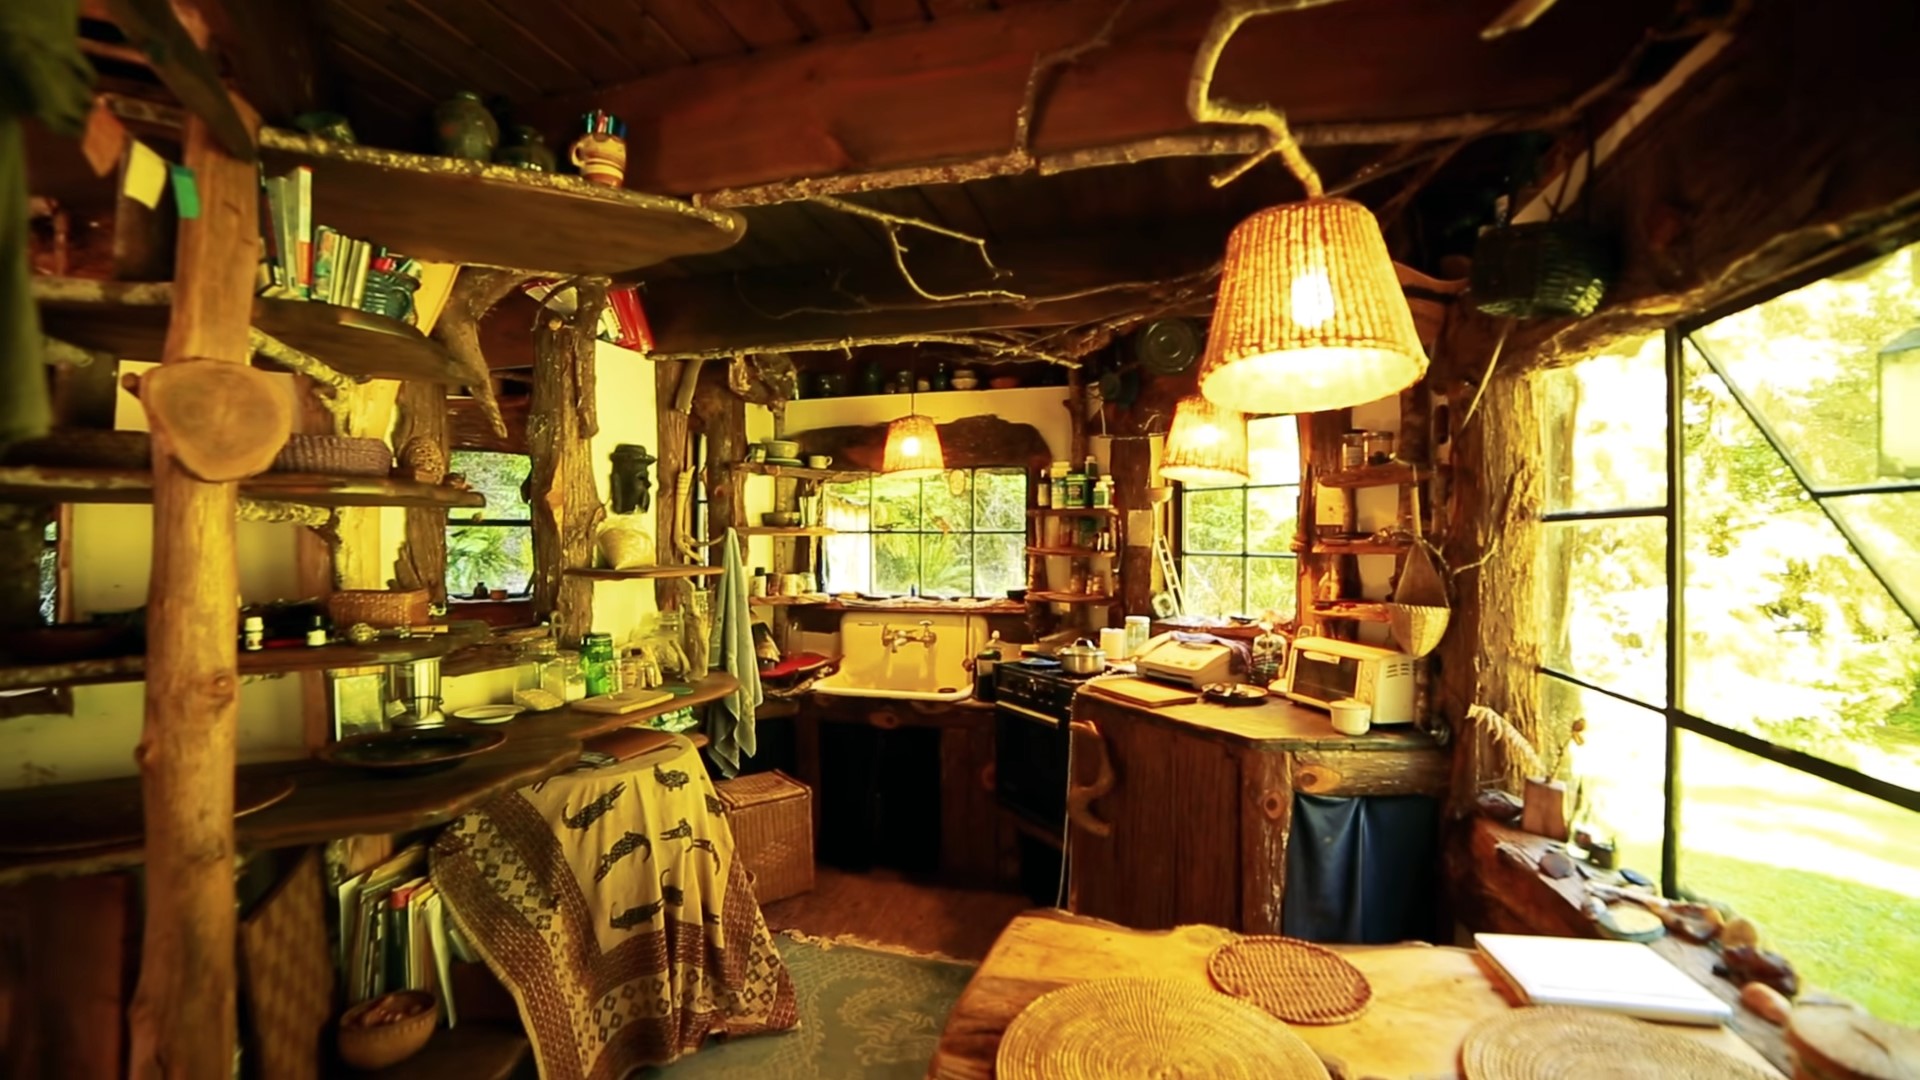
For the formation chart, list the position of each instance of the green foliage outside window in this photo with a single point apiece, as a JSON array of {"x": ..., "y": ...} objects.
[
  {"x": 959, "y": 534},
  {"x": 491, "y": 547},
  {"x": 1236, "y": 543}
]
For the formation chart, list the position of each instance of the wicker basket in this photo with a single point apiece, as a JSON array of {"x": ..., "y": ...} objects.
[
  {"x": 1418, "y": 628},
  {"x": 379, "y": 607},
  {"x": 1540, "y": 268},
  {"x": 771, "y": 815},
  {"x": 333, "y": 455}
]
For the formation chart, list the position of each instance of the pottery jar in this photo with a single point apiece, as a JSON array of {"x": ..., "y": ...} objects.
[
  {"x": 463, "y": 128},
  {"x": 601, "y": 153},
  {"x": 524, "y": 149}
]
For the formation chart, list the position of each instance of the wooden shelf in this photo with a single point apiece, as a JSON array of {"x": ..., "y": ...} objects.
[
  {"x": 783, "y": 530},
  {"x": 1368, "y": 476},
  {"x": 788, "y": 601},
  {"x": 278, "y": 661},
  {"x": 1067, "y": 598},
  {"x": 644, "y": 572},
  {"x": 469, "y": 1052},
  {"x": 1072, "y": 552},
  {"x": 1361, "y": 547},
  {"x": 1077, "y": 511},
  {"x": 39, "y": 483},
  {"x": 129, "y": 320},
  {"x": 1358, "y": 611},
  {"x": 458, "y": 211},
  {"x": 802, "y": 472},
  {"x": 934, "y": 607}
]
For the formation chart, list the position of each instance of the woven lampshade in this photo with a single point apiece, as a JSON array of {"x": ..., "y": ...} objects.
[
  {"x": 1206, "y": 444},
  {"x": 913, "y": 448},
  {"x": 1310, "y": 315}
]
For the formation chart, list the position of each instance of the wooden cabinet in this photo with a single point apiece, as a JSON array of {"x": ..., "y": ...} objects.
[{"x": 1193, "y": 823}]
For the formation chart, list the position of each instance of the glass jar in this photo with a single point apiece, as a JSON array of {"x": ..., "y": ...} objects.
[
  {"x": 563, "y": 677},
  {"x": 1353, "y": 449},
  {"x": 1377, "y": 447},
  {"x": 534, "y": 658},
  {"x": 1268, "y": 649},
  {"x": 597, "y": 664}
]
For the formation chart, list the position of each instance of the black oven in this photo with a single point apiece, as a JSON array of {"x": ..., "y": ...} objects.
[{"x": 1030, "y": 714}]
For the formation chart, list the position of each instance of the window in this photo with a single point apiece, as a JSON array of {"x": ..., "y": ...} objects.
[
  {"x": 1236, "y": 543},
  {"x": 1728, "y": 591},
  {"x": 960, "y": 534},
  {"x": 491, "y": 548}
]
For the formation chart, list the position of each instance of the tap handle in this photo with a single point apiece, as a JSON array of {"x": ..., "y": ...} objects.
[{"x": 927, "y": 623}]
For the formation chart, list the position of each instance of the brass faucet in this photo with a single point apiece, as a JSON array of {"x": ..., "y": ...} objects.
[{"x": 893, "y": 637}]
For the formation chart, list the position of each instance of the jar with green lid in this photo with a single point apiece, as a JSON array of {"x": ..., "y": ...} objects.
[
  {"x": 597, "y": 664},
  {"x": 1076, "y": 490}
]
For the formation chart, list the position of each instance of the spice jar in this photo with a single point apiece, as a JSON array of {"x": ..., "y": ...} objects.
[
  {"x": 1377, "y": 447},
  {"x": 564, "y": 678},
  {"x": 597, "y": 664},
  {"x": 1353, "y": 449}
]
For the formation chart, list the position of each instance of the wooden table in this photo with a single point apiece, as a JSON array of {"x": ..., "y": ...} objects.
[{"x": 1426, "y": 997}]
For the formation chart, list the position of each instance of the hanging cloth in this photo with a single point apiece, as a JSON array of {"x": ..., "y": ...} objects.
[{"x": 730, "y": 728}]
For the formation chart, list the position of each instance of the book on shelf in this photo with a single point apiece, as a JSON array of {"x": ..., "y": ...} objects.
[
  {"x": 326, "y": 276},
  {"x": 305, "y": 260},
  {"x": 393, "y": 932}
]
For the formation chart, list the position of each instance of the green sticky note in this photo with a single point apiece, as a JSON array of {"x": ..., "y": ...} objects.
[{"x": 186, "y": 193}]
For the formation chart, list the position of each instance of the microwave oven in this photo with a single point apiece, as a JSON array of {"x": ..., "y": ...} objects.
[{"x": 1322, "y": 670}]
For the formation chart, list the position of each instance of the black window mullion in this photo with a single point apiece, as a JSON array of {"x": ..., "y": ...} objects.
[{"x": 1675, "y": 369}]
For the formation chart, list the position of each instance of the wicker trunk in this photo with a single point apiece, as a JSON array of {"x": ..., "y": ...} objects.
[{"x": 771, "y": 815}]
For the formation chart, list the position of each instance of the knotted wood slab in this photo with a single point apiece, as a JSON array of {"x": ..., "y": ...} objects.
[{"x": 221, "y": 421}]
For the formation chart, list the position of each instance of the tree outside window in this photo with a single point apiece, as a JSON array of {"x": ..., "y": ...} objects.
[
  {"x": 1236, "y": 543},
  {"x": 491, "y": 548},
  {"x": 959, "y": 534}
]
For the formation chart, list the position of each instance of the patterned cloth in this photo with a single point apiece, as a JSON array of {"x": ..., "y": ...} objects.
[{"x": 610, "y": 904}]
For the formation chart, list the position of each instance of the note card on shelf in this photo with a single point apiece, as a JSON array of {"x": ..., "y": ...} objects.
[{"x": 146, "y": 175}]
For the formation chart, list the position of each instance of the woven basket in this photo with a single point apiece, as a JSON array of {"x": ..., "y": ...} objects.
[
  {"x": 422, "y": 459},
  {"x": 1149, "y": 1027},
  {"x": 771, "y": 816},
  {"x": 1296, "y": 981},
  {"x": 379, "y": 607},
  {"x": 1419, "y": 614},
  {"x": 624, "y": 548},
  {"x": 333, "y": 455},
  {"x": 1557, "y": 1043},
  {"x": 1418, "y": 628},
  {"x": 1540, "y": 268},
  {"x": 84, "y": 448}
]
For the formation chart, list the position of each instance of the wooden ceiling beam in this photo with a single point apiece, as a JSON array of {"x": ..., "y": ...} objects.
[
  {"x": 928, "y": 93},
  {"x": 1067, "y": 283}
]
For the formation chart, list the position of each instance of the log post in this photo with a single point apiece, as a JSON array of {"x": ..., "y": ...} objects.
[
  {"x": 183, "y": 1022},
  {"x": 566, "y": 507},
  {"x": 422, "y": 561}
]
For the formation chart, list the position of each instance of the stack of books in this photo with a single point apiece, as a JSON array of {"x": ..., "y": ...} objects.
[
  {"x": 394, "y": 933},
  {"x": 304, "y": 261}
]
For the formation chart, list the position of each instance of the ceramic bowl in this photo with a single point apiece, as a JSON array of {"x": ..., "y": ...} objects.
[
  {"x": 962, "y": 382},
  {"x": 387, "y": 1030},
  {"x": 782, "y": 519},
  {"x": 781, "y": 448},
  {"x": 1004, "y": 382},
  {"x": 1350, "y": 717}
]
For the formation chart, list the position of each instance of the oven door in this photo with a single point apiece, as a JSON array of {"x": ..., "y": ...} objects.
[{"x": 1030, "y": 765}]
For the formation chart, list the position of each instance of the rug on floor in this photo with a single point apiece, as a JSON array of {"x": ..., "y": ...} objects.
[{"x": 865, "y": 1014}]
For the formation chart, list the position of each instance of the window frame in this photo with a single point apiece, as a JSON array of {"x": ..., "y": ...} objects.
[
  {"x": 1678, "y": 337},
  {"x": 1022, "y": 531}
]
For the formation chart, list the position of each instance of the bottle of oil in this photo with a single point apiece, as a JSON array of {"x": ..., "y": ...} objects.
[{"x": 983, "y": 664}]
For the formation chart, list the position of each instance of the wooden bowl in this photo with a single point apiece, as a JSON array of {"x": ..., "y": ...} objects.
[{"x": 371, "y": 1037}]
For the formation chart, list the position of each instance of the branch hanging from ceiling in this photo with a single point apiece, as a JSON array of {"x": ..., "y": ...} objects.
[
  {"x": 333, "y": 389},
  {"x": 860, "y": 305},
  {"x": 893, "y": 223},
  {"x": 1205, "y": 109},
  {"x": 1044, "y": 65}
]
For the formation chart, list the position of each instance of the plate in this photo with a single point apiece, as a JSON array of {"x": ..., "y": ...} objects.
[
  {"x": 783, "y": 461},
  {"x": 410, "y": 753},
  {"x": 488, "y": 714},
  {"x": 1233, "y": 693}
]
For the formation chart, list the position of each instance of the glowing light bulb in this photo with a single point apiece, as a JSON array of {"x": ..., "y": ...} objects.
[
  {"x": 1207, "y": 435},
  {"x": 1312, "y": 298},
  {"x": 910, "y": 445}
]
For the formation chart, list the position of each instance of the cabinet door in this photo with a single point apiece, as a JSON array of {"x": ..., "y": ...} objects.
[{"x": 1173, "y": 852}]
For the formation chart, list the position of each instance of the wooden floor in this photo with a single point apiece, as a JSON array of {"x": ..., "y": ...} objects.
[{"x": 886, "y": 907}]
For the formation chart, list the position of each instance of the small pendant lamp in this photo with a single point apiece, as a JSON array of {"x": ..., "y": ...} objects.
[
  {"x": 1310, "y": 315},
  {"x": 1206, "y": 444},
  {"x": 913, "y": 446}
]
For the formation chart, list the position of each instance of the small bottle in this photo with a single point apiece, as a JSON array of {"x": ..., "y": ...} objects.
[
  {"x": 1103, "y": 491},
  {"x": 983, "y": 665},
  {"x": 317, "y": 631},
  {"x": 1093, "y": 468},
  {"x": 596, "y": 663},
  {"x": 1044, "y": 493},
  {"x": 255, "y": 630},
  {"x": 1267, "y": 650}
]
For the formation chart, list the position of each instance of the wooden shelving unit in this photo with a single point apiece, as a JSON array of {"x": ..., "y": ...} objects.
[
  {"x": 452, "y": 210},
  {"x": 788, "y": 601},
  {"x": 802, "y": 472},
  {"x": 42, "y": 483},
  {"x": 1357, "y": 610},
  {"x": 1368, "y": 476},
  {"x": 1071, "y": 552},
  {"x": 1067, "y": 598},
  {"x": 783, "y": 530},
  {"x": 644, "y": 573},
  {"x": 1361, "y": 547}
]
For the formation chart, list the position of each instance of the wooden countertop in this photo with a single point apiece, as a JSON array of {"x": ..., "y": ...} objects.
[
  {"x": 1279, "y": 724},
  {"x": 1426, "y": 997}
]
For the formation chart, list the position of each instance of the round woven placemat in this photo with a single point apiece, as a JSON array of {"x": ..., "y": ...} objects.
[
  {"x": 1297, "y": 981},
  {"x": 1149, "y": 1027},
  {"x": 1555, "y": 1043}
]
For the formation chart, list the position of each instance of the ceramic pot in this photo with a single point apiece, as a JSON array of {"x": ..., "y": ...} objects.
[
  {"x": 463, "y": 128},
  {"x": 601, "y": 154},
  {"x": 524, "y": 149},
  {"x": 872, "y": 379}
]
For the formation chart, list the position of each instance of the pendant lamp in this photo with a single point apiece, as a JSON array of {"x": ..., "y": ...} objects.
[
  {"x": 1310, "y": 315},
  {"x": 913, "y": 446},
  {"x": 1206, "y": 444}
]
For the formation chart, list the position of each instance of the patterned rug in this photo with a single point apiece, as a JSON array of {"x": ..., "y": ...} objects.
[{"x": 864, "y": 1015}]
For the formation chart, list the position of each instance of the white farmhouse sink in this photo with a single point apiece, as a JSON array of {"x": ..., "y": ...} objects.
[{"x": 909, "y": 671}]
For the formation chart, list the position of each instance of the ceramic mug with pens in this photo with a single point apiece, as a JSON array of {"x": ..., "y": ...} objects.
[{"x": 601, "y": 153}]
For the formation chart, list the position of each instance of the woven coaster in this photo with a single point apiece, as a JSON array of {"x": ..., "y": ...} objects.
[
  {"x": 1297, "y": 981},
  {"x": 1149, "y": 1027},
  {"x": 1557, "y": 1043}
]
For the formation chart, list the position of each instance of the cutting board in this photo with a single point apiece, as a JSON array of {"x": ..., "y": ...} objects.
[
  {"x": 625, "y": 701},
  {"x": 1151, "y": 695}
]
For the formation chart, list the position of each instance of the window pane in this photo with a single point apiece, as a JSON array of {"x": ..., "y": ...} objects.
[
  {"x": 1273, "y": 450},
  {"x": 854, "y": 495},
  {"x": 896, "y": 562},
  {"x": 1271, "y": 584},
  {"x": 946, "y": 564},
  {"x": 846, "y": 562},
  {"x": 493, "y": 556},
  {"x": 1000, "y": 500},
  {"x": 497, "y": 476},
  {"x": 1603, "y": 596},
  {"x": 1887, "y": 526},
  {"x": 1215, "y": 520},
  {"x": 1214, "y": 585},
  {"x": 1832, "y": 877},
  {"x": 1789, "y": 636},
  {"x": 1621, "y": 765},
  {"x": 999, "y": 563},
  {"x": 896, "y": 503},
  {"x": 1606, "y": 429},
  {"x": 1271, "y": 519},
  {"x": 946, "y": 502},
  {"x": 1809, "y": 362}
]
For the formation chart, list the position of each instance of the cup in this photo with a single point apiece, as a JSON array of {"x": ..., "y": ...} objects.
[
  {"x": 1350, "y": 717},
  {"x": 819, "y": 461},
  {"x": 757, "y": 585},
  {"x": 756, "y": 453},
  {"x": 796, "y": 585}
]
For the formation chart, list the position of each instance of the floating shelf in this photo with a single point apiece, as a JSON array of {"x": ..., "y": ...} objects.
[
  {"x": 1067, "y": 598},
  {"x": 1072, "y": 552},
  {"x": 458, "y": 211},
  {"x": 995, "y": 607},
  {"x": 783, "y": 530},
  {"x": 129, "y": 320},
  {"x": 801, "y": 472},
  {"x": 278, "y": 661},
  {"x": 39, "y": 483},
  {"x": 1361, "y": 547},
  {"x": 1395, "y": 472},
  {"x": 1355, "y": 610},
  {"x": 788, "y": 601},
  {"x": 1075, "y": 511},
  {"x": 643, "y": 572}
]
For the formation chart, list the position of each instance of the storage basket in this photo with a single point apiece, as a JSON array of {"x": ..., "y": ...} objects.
[
  {"x": 771, "y": 815},
  {"x": 333, "y": 455},
  {"x": 1540, "y": 268},
  {"x": 379, "y": 607}
]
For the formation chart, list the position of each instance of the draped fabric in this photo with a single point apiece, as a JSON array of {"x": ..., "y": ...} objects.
[{"x": 610, "y": 904}]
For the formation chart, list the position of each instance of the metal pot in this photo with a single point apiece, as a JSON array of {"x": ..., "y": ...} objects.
[{"x": 1082, "y": 657}]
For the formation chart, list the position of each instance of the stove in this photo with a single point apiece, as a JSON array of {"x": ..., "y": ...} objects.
[{"x": 1033, "y": 705}]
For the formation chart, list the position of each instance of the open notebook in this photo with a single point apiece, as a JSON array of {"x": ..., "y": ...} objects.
[{"x": 1619, "y": 976}]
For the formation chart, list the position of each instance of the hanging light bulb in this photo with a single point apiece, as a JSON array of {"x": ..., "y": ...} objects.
[
  {"x": 913, "y": 446},
  {"x": 1206, "y": 444},
  {"x": 1310, "y": 315}
]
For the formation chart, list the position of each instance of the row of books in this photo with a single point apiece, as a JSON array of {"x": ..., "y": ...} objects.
[
  {"x": 305, "y": 261},
  {"x": 395, "y": 934}
]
